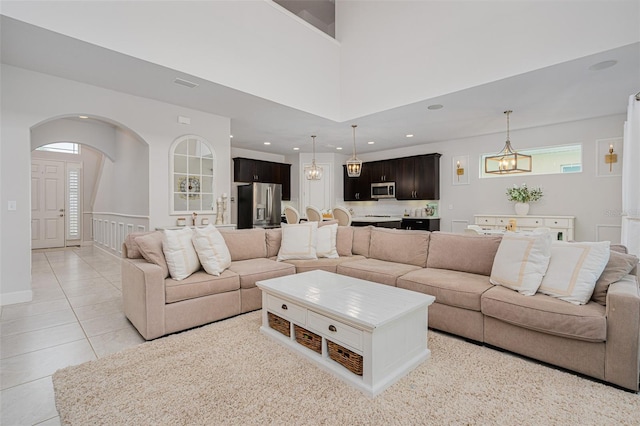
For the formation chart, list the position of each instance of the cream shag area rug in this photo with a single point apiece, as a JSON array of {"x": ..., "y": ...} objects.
[{"x": 229, "y": 373}]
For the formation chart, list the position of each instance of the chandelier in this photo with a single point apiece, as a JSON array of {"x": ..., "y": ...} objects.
[
  {"x": 354, "y": 166},
  {"x": 313, "y": 172},
  {"x": 507, "y": 160}
]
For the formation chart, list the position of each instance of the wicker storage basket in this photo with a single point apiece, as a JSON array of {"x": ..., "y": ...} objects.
[
  {"x": 308, "y": 339},
  {"x": 343, "y": 356},
  {"x": 279, "y": 324}
]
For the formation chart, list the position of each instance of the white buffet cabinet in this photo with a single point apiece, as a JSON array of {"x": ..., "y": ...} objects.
[{"x": 561, "y": 226}]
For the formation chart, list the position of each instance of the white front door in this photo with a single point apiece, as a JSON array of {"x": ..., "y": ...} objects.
[
  {"x": 47, "y": 204},
  {"x": 318, "y": 193}
]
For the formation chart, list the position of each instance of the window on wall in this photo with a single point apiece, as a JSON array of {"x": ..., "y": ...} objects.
[
  {"x": 64, "y": 147},
  {"x": 193, "y": 166},
  {"x": 547, "y": 160},
  {"x": 73, "y": 201}
]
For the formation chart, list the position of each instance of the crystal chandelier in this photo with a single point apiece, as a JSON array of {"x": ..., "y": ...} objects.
[
  {"x": 313, "y": 172},
  {"x": 507, "y": 160},
  {"x": 354, "y": 166}
]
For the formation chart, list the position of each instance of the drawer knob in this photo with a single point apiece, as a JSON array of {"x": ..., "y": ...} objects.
[
  {"x": 332, "y": 328},
  {"x": 284, "y": 307}
]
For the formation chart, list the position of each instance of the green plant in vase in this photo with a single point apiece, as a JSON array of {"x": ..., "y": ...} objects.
[{"x": 523, "y": 195}]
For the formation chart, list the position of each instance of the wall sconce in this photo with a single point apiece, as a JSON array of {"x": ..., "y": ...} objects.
[
  {"x": 459, "y": 170},
  {"x": 610, "y": 158}
]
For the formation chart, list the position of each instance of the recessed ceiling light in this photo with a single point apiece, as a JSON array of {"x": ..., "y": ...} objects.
[
  {"x": 435, "y": 106},
  {"x": 296, "y": 149},
  {"x": 267, "y": 143},
  {"x": 83, "y": 116},
  {"x": 231, "y": 136},
  {"x": 409, "y": 135},
  {"x": 602, "y": 65},
  {"x": 370, "y": 142},
  {"x": 186, "y": 83},
  {"x": 339, "y": 148}
]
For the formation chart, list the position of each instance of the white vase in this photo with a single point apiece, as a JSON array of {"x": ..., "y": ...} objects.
[{"x": 522, "y": 209}]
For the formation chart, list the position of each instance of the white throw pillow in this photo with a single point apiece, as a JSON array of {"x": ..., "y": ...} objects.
[
  {"x": 212, "y": 250},
  {"x": 574, "y": 269},
  {"x": 179, "y": 253},
  {"x": 298, "y": 241},
  {"x": 521, "y": 262},
  {"x": 326, "y": 246}
]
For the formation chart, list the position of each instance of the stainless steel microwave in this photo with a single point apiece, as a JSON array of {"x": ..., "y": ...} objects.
[{"x": 383, "y": 190}]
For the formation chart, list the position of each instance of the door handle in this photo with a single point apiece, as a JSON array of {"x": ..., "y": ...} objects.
[{"x": 61, "y": 215}]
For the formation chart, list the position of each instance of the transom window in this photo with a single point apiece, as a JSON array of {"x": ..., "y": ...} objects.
[
  {"x": 193, "y": 166},
  {"x": 65, "y": 147},
  {"x": 547, "y": 160}
]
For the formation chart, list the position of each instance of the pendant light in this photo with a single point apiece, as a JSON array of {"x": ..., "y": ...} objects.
[
  {"x": 313, "y": 172},
  {"x": 354, "y": 166},
  {"x": 507, "y": 161}
]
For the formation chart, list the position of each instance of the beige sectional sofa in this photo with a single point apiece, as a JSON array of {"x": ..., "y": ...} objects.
[{"x": 596, "y": 340}]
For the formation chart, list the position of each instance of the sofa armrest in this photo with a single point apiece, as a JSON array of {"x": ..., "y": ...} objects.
[
  {"x": 143, "y": 296},
  {"x": 622, "y": 365}
]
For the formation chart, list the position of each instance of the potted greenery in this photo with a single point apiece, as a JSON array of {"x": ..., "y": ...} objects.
[{"x": 522, "y": 195}]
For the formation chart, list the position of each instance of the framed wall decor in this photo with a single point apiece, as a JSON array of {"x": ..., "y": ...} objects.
[{"x": 460, "y": 169}]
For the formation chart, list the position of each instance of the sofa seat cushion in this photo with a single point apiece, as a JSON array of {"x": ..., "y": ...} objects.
[
  {"x": 547, "y": 314},
  {"x": 253, "y": 270},
  {"x": 200, "y": 284},
  {"x": 379, "y": 271},
  {"x": 324, "y": 264},
  {"x": 453, "y": 288}
]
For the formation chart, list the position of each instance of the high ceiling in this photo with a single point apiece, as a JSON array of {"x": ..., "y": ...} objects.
[{"x": 564, "y": 92}]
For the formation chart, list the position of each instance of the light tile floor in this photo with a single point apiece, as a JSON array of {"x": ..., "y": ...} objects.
[{"x": 75, "y": 316}]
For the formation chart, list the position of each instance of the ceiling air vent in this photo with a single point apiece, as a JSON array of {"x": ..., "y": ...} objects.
[{"x": 186, "y": 83}]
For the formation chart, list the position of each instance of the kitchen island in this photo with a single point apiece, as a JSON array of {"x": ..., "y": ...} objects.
[{"x": 382, "y": 221}]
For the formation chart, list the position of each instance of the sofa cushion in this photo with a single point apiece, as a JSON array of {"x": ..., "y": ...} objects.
[
  {"x": 361, "y": 240},
  {"x": 245, "y": 243},
  {"x": 462, "y": 252},
  {"x": 326, "y": 241},
  {"x": 619, "y": 265},
  {"x": 324, "y": 264},
  {"x": 253, "y": 270},
  {"x": 200, "y": 284},
  {"x": 212, "y": 250},
  {"x": 344, "y": 241},
  {"x": 521, "y": 262},
  {"x": 299, "y": 241},
  {"x": 574, "y": 269},
  {"x": 274, "y": 238},
  {"x": 400, "y": 246},
  {"x": 453, "y": 288},
  {"x": 547, "y": 314},
  {"x": 133, "y": 250},
  {"x": 150, "y": 246},
  {"x": 181, "y": 256},
  {"x": 379, "y": 271}
]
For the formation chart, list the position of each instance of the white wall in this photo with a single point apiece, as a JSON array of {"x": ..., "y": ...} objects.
[
  {"x": 29, "y": 98},
  {"x": 251, "y": 45},
  {"x": 594, "y": 201},
  {"x": 395, "y": 53},
  {"x": 93, "y": 133}
]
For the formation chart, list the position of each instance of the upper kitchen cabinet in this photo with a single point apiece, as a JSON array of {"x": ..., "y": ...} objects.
[
  {"x": 418, "y": 177},
  {"x": 250, "y": 170},
  {"x": 357, "y": 189},
  {"x": 382, "y": 171}
]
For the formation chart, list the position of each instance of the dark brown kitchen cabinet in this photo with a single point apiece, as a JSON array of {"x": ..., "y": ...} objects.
[
  {"x": 356, "y": 189},
  {"x": 250, "y": 170},
  {"x": 382, "y": 171},
  {"x": 418, "y": 177}
]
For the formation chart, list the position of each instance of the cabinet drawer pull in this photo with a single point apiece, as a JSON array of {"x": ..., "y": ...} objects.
[
  {"x": 332, "y": 328},
  {"x": 284, "y": 307}
]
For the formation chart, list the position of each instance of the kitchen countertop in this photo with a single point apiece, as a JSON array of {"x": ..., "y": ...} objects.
[{"x": 376, "y": 219}]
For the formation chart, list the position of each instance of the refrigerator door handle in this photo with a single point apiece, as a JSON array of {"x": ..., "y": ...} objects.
[{"x": 269, "y": 199}]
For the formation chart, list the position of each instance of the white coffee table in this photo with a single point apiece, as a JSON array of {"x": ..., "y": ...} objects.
[{"x": 386, "y": 326}]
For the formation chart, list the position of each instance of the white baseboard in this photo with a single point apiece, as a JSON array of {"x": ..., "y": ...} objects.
[{"x": 16, "y": 297}]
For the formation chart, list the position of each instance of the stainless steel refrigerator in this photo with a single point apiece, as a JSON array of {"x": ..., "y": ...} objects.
[{"x": 259, "y": 205}]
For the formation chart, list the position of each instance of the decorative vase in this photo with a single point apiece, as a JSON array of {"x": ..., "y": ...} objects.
[{"x": 522, "y": 209}]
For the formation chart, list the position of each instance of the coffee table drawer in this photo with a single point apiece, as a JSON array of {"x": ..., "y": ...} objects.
[
  {"x": 335, "y": 330},
  {"x": 286, "y": 309}
]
